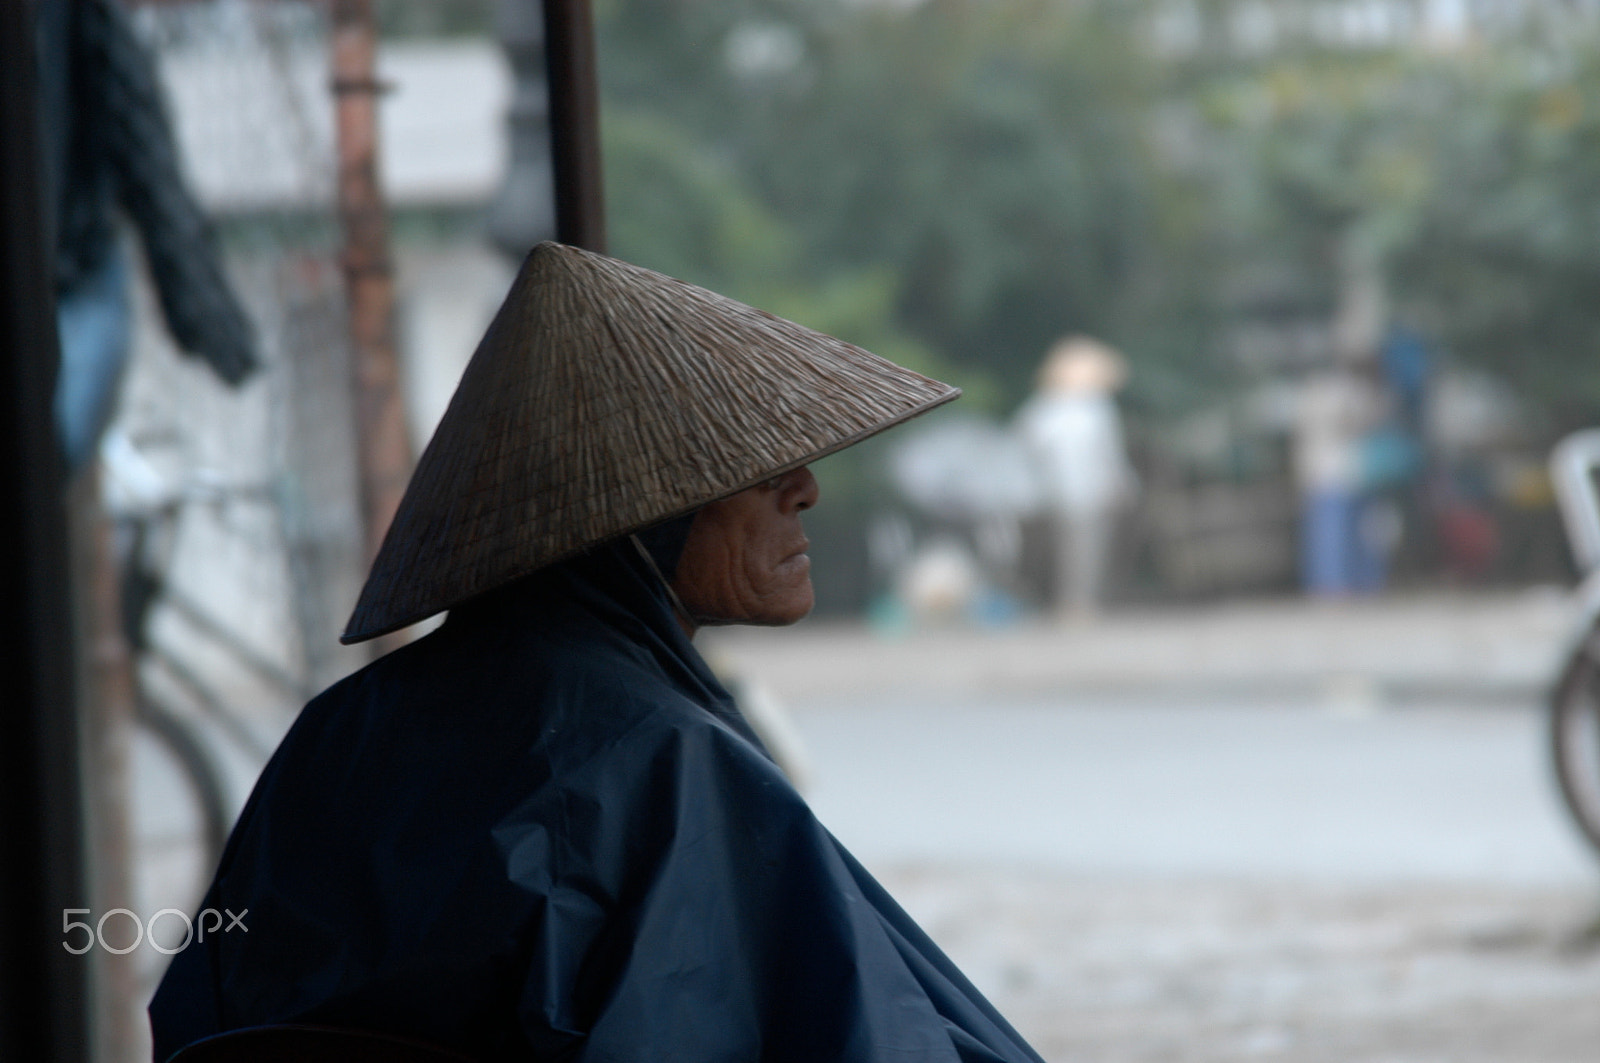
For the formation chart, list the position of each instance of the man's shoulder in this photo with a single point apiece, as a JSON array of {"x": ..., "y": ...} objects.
[{"x": 568, "y": 688}]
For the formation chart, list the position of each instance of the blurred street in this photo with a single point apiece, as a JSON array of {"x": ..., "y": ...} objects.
[{"x": 1276, "y": 831}]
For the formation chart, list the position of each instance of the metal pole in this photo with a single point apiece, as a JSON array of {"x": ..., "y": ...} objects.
[
  {"x": 385, "y": 452},
  {"x": 43, "y": 988},
  {"x": 523, "y": 211},
  {"x": 575, "y": 124}
]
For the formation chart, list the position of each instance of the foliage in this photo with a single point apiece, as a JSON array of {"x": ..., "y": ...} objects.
[
  {"x": 399, "y": 19},
  {"x": 956, "y": 183},
  {"x": 1470, "y": 179},
  {"x": 986, "y": 162},
  {"x": 1012, "y": 170},
  {"x": 692, "y": 217},
  {"x": 1506, "y": 256}
]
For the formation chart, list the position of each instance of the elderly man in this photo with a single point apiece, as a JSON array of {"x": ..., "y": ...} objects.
[{"x": 544, "y": 831}]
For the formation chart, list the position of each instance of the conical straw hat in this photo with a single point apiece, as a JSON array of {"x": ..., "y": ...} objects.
[{"x": 604, "y": 398}]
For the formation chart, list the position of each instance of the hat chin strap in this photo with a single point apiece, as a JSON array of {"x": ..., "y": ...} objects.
[{"x": 685, "y": 618}]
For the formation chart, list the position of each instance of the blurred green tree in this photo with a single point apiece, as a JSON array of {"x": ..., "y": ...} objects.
[
  {"x": 957, "y": 183},
  {"x": 988, "y": 163}
]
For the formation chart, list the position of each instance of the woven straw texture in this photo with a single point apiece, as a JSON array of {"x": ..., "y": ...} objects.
[{"x": 603, "y": 398}]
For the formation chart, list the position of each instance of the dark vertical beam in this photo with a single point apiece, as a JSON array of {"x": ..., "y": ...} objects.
[
  {"x": 43, "y": 988},
  {"x": 575, "y": 124},
  {"x": 384, "y": 449},
  {"x": 523, "y": 210}
]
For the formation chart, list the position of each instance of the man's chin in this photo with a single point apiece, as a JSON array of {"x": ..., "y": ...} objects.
[{"x": 785, "y": 614}]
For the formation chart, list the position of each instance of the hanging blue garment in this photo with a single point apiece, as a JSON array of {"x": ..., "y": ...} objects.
[
  {"x": 544, "y": 832},
  {"x": 95, "y": 323}
]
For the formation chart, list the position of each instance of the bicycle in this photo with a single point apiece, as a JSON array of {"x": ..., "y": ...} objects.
[
  {"x": 1574, "y": 701},
  {"x": 178, "y": 715}
]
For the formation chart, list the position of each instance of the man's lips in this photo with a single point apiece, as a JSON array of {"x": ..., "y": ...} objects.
[{"x": 797, "y": 558}]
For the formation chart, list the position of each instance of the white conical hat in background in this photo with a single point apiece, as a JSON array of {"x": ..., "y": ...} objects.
[
  {"x": 1078, "y": 364},
  {"x": 605, "y": 398}
]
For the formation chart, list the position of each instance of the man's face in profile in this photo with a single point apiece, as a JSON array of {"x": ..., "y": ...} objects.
[{"x": 745, "y": 559}]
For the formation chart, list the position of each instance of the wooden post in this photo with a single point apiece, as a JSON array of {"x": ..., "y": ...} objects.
[
  {"x": 108, "y": 707},
  {"x": 385, "y": 452},
  {"x": 575, "y": 124}
]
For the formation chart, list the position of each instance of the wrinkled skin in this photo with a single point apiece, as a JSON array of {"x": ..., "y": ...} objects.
[{"x": 745, "y": 558}]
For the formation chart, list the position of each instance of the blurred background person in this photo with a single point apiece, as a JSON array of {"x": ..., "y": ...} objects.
[
  {"x": 1074, "y": 432},
  {"x": 1335, "y": 415}
]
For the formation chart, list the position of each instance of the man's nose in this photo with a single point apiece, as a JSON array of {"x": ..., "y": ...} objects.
[{"x": 798, "y": 489}]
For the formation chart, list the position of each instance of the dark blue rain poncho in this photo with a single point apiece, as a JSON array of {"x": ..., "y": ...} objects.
[{"x": 544, "y": 832}]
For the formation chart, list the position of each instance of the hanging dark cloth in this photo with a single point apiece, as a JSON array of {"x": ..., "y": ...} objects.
[
  {"x": 544, "y": 832},
  {"x": 109, "y": 146}
]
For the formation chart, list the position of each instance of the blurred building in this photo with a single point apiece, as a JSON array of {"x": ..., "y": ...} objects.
[{"x": 247, "y": 87}]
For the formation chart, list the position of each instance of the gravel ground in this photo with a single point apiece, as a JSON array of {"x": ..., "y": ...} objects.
[{"x": 1200, "y": 971}]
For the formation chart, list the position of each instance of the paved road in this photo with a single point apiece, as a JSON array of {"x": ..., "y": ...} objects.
[
  {"x": 1143, "y": 879},
  {"x": 1324, "y": 792}
]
